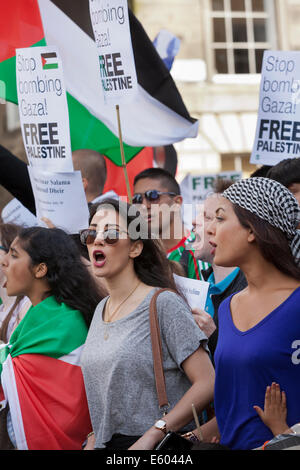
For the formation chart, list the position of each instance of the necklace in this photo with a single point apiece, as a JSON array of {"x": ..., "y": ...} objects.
[{"x": 106, "y": 335}]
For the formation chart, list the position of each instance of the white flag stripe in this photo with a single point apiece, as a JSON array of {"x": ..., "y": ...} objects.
[
  {"x": 10, "y": 390},
  {"x": 73, "y": 357},
  {"x": 145, "y": 122}
]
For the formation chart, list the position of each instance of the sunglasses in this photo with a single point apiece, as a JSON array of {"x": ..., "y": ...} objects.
[
  {"x": 110, "y": 236},
  {"x": 152, "y": 195}
]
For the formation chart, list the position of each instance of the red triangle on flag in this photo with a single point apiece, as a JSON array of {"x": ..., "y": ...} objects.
[{"x": 24, "y": 13}]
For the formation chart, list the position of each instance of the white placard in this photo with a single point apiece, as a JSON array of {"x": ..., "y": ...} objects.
[
  {"x": 195, "y": 189},
  {"x": 14, "y": 212},
  {"x": 43, "y": 108},
  {"x": 194, "y": 291},
  {"x": 278, "y": 126},
  {"x": 110, "y": 22},
  {"x": 60, "y": 198}
]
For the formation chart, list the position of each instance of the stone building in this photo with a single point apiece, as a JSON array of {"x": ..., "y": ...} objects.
[{"x": 216, "y": 70}]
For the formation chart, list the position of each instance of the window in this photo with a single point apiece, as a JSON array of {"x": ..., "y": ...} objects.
[{"x": 241, "y": 31}]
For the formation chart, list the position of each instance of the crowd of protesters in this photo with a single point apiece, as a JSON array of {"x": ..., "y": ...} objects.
[{"x": 235, "y": 362}]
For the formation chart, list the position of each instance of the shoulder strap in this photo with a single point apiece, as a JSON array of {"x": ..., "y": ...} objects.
[{"x": 157, "y": 352}]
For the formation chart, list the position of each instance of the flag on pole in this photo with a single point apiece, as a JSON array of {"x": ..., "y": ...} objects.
[
  {"x": 41, "y": 379},
  {"x": 157, "y": 117}
]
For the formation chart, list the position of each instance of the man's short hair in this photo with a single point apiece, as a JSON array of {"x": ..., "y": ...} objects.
[
  {"x": 221, "y": 185},
  {"x": 165, "y": 178},
  {"x": 286, "y": 172},
  {"x": 92, "y": 166}
]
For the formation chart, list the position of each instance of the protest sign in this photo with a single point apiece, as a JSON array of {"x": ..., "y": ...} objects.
[
  {"x": 194, "y": 291},
  {"x": 110, "y": 22},
  {"x": 14, "y": 212},
  {"x": 60, "y": 198},
  {"x": 278, "y": 125},
  {"x": 43, "y": 108},
  {"x": 195, "y": 188}
]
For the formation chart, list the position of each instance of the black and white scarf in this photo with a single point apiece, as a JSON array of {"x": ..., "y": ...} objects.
[{"x": 271, "y": 201}]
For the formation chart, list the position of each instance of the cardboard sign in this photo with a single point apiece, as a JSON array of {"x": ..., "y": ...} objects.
[
  {"x": 194, "y": 291},
  {"x": 14, "y": 212},
  {"x": 110, "y": 22},
  {"x": 60, "y": 198},
  {"x": 43, "y": 108},
  {"x": 278, "y": 126}
]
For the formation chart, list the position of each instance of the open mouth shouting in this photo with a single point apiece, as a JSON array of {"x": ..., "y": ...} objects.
[{"x": 99, "y": 258}]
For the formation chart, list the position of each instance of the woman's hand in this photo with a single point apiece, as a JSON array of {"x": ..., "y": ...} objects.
[
  {"x": 275, "y": 411},
  {"x": 149, "y": 440},
  {"x": 204, "y": 321},
  {"x": 90, "y": 445}
]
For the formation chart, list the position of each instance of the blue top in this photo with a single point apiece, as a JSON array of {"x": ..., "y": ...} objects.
[
  {"x": 247, "y": 362},
  {"x": 218, "y": 289}
]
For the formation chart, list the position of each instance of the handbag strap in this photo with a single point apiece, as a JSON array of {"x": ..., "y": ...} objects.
[{"x": 157, "y": 352}]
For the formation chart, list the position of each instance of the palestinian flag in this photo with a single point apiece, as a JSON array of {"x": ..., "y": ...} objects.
[
  {"x": 49, "y": 61},
  {"x": 41, "y": 379},
  {"x": 157, "y": 117}
]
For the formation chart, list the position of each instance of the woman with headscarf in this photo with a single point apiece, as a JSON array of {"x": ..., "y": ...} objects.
[{"x": 255, "y": 228}]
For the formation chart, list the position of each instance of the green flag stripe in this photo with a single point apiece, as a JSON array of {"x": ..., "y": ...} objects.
[
  {"x": 88, "y": 132},
  {"x": 85, "y": 129},
  {"x": 50, "y": 329}
]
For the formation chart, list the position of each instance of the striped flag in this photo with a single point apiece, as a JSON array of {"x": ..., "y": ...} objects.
[
  {"x": 49, "y": 61},
  {"x": 157, "y": 117},
  {"x": 41, "y": 379}
]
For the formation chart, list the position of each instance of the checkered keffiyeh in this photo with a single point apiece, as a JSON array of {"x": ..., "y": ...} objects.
[{"x": 271, "y": 201}]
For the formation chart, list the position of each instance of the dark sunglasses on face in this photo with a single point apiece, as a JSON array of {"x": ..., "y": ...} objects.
[
  {"x": 152, "y": 195},
  {"x": 110, "y": 236}
]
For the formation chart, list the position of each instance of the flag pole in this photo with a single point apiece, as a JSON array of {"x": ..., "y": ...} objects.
[{"x": 123, "y": 156}]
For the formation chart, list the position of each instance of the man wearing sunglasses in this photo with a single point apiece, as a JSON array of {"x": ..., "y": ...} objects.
[{"x": 158, "y": 194}]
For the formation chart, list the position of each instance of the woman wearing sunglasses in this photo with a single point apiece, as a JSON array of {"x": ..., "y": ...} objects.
[
  {"x": 117, "y": 359},
  {"x": 40, "y": 374}
]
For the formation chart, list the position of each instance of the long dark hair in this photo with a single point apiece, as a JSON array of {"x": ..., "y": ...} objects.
[
  {"x": 272, "y": 242},
  {"x": 68, "y": 277},
  {"x": 151, "y": 266}
]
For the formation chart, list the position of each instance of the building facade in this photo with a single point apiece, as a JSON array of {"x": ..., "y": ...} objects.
[{"x": 217, "y": 70}]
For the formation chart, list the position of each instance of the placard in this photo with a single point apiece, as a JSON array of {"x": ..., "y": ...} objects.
[
  {"x": 195, "y": 189},
  {"x": 43, "y": 108},
  {"x": 278, "y": 126},
  {"x": 110, "y": 22},
  {"x": 194, "y": 291},
  {"x": 14, "y": 212},
  {"x": 60, "y": 198}
]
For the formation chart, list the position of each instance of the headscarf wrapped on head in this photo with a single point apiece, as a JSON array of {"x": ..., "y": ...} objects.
[{"x": 272, "y": 202}]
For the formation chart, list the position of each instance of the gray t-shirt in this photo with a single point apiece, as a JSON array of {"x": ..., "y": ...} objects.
[{"x": 118, "y": 371}]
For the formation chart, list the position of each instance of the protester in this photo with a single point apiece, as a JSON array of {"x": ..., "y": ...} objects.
[
  {"x": 117, "y": 359},
  {"x": 287, "y": 172},
  {"x": 93, "y": 171},
  {"x": 223, "y": 281},
  {"x": 49, "y": 410},
  {"x": 159, "y": 193},
  {"x": 255, "y": 229},
  {"x": 12, "y": 309}
]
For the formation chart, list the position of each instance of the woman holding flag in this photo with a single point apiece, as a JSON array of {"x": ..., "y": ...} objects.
[{"x": 41, "y": 381}]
